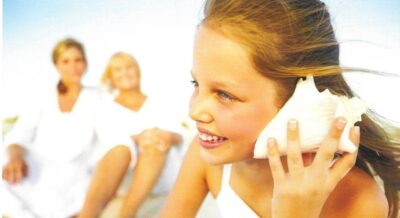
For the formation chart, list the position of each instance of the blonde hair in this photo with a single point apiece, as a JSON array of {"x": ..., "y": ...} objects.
[
  {"x": 289, "y": 39},
  {"x": 106, "y": 78},
  {"x": 60, "y": 48}
]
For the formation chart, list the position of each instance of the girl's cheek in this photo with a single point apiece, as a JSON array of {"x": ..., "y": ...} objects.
[{"x": 240, "y": 129}]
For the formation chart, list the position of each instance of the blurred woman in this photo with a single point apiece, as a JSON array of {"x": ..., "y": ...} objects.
[
  {"x": 143, "y": 124},
  {"x": 51, "y": 143}
]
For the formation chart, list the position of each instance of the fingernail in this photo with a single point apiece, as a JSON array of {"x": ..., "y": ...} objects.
[
  {"x": 357, "y": 130},
  {"x": 292, "y": 124},
  {"x": 341, "y": 123}
]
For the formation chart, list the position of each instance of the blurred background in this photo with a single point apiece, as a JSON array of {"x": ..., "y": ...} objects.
[{"x": 160, "y": 33}]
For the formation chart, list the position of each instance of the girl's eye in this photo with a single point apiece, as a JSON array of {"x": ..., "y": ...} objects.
[
  {"x": 195, "y": 83},
  {"x": 225, "y": 96}
]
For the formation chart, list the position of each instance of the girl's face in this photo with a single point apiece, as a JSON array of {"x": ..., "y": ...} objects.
[
  {"x": 231, "y": 102},
  {"x": 71, "y": 66},
  {"x": 124, "y": 75}
]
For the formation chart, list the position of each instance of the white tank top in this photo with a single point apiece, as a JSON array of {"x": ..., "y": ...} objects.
[{"x": 229, "y": 203}]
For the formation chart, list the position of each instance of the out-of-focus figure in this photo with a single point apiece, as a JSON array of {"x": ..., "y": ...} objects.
[
  {"x": 49, "y": 148},
  {"x": 144, "y": 124}
]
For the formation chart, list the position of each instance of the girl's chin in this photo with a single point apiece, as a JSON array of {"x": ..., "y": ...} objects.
[
  {"x": 211, "y": 158},
  {"x": 221, "y": 156}
]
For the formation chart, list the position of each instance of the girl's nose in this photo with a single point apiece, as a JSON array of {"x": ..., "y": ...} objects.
[{"x": 199, "y": 110}]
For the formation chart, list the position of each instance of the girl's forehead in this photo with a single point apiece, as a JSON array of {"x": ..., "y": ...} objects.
[
  {"x": 209, "y": 40},
  {"x": 219, "y": 57}
]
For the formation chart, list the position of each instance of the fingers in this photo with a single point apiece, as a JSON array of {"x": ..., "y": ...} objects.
[
  {"x": 348, "y": 160},
  {"x": 25, "y": 171},
  {"x": 355, "y": 135},
  {"x": 18, "y": 168},
  {"x": 274, "y": 159},
  {"x": 150, "y": 141},
  {"x": 14, "y": 172},
  {"x": 294, "y": 158},
  {"x": 330, "y": 144},
  {"x": 6, "y": 174}
]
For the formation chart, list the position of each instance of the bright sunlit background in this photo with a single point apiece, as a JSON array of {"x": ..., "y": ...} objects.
[{"x": 160, "y": 33}]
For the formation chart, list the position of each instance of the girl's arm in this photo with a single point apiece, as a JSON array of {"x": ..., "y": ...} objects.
[{"x": 190, "y": 188}]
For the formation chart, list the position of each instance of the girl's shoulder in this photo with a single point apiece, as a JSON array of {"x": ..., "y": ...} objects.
[{"x": 357, "y": 195}]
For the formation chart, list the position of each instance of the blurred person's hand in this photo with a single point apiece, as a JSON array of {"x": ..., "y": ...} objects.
[
  {"x": 15, "y": 170},
  {"x": 154, "y": 138}
]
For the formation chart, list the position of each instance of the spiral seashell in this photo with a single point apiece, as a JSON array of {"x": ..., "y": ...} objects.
[{"x": 315, "y": 112}]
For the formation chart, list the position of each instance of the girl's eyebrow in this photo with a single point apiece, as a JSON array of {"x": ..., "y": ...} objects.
[
  {"x": 235, "y": 88},
  {"x": 222, "y": 84},
  {"x": 228, "y": 83}
]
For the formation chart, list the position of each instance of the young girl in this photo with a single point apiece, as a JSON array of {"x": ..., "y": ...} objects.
[{"x": 248, "y": 56}]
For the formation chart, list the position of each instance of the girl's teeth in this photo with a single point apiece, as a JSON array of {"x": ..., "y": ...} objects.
[{"x": 206, "y": 137}]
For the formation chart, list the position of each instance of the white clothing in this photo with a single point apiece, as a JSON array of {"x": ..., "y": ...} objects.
[
  {"x": 59, "y": 145},
  {"x": 229, "y": 203},
  {"x": 117, "y": 120}
]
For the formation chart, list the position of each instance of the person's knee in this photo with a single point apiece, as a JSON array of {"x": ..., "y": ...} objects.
[{"x": 121, "y": 153}]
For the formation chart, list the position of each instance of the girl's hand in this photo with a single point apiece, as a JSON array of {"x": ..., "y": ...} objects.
[{"x": 303, "y": 190}]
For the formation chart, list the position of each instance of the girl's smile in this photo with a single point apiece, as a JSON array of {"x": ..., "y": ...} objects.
[{"x": 209, "y": 140}]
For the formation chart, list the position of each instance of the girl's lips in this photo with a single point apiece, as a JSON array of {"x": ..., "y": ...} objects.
[
  {"x": 209, "y": 140},
  {"x": 205, "y": 131},
  {"x": 209, "y": 145}
]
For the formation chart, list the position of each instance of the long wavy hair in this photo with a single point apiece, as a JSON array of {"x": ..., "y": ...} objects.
[{"x": 289, "y": 39}]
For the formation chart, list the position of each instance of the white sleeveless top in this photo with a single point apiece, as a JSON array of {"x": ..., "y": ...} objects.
[{"x": 229, "y": 203}]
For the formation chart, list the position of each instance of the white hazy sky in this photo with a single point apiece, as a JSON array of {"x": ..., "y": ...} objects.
[{"x": 160, "y": 33}]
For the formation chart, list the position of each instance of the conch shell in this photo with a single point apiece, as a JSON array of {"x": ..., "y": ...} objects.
[{"x": 315, "y": 112}]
